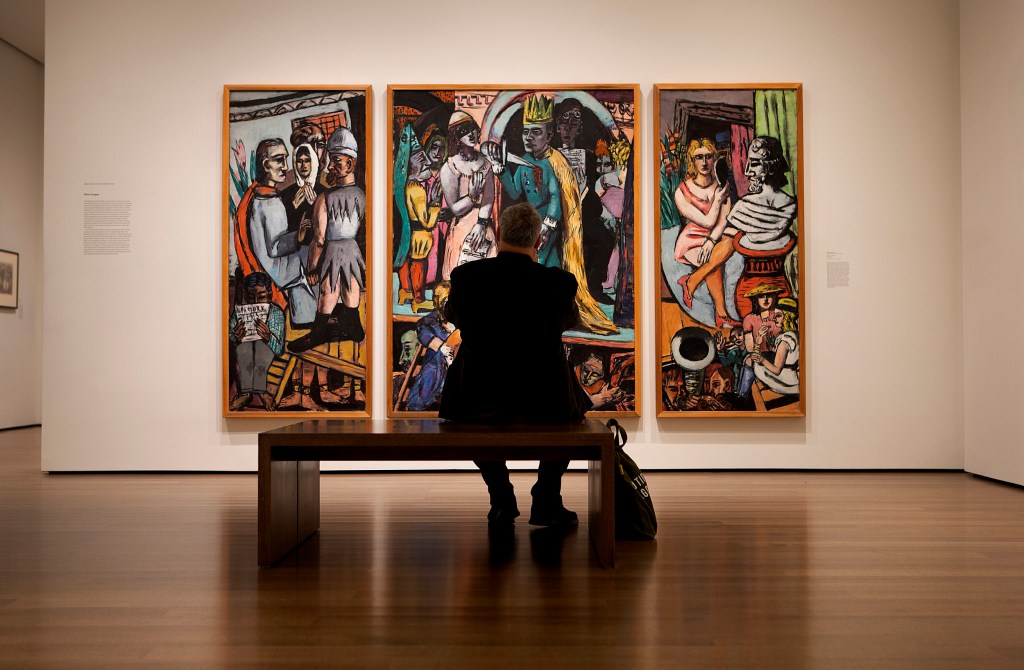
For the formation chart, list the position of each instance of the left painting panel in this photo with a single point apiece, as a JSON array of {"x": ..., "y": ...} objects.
[{"x": 296, "y": 259}]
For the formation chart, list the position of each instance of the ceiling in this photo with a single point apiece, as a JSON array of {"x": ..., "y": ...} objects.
[{"x": 22, "y": 25}]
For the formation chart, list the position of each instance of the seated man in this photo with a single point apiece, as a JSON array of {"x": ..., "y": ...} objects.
[
  {"x": 256, "y": 330},
  {"x": 511, "y": 366}
]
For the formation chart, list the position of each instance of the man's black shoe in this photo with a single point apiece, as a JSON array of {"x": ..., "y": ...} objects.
[
  {"x": 304, "y": 343},
  {"x": 554, "y": 516},
  {"x": 502, "y": 516}
]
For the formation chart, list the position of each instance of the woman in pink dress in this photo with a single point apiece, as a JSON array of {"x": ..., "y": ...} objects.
[
  {"x": 468, "y": 184},
  {"x": 705, "y": 241}
]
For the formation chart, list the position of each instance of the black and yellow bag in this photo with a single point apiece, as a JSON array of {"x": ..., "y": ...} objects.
[{"x": 634, "y": 510}]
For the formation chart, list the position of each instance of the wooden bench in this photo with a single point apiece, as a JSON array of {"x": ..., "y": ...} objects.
[{"x": 289, "y": 466}]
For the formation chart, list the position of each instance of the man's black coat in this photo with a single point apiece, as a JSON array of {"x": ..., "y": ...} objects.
[{"x": 511, "y": 365}]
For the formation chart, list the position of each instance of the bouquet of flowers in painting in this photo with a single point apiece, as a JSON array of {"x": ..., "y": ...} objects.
[
  {"x": 730, "y": 271},
  {"x": 458, "y": 157}
]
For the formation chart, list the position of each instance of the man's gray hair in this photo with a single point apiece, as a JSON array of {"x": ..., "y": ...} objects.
[{"x": 520, "y": 225}]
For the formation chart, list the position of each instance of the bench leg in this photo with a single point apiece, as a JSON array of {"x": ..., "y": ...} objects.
[
  {"x": 289, "y": 505},
  {"x": 601, "y": 475},
  {"x": 308, "y": 496}
]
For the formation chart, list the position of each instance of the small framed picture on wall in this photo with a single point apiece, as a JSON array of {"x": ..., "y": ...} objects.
[{"x": 8, "y": 279}]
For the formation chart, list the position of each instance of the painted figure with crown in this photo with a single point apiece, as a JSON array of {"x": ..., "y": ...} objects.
[
  {"x": 544, "y": 178},
  {"x": 533, "y": 176}
]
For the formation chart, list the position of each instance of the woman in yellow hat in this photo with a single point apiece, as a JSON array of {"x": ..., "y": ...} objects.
[
  {"x": 760, "y": 328},
  {"x": 781, "y": 371}
]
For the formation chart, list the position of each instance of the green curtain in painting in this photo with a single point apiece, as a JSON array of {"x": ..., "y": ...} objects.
[{"x": 775, "y": 116}]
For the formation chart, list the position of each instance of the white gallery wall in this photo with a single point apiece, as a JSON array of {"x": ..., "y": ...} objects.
[
  {"x": 21, "y": 231},
  {"x": 132, "y": 370},
  {"x": 992, "y": 85}
]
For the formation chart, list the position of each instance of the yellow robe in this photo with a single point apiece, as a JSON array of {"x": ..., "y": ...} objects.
[
  {"x": 423, "y": 218},
  {"x": 592, "y": 319}
]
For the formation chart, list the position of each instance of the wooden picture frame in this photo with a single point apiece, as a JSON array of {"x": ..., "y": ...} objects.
[
  {"x": 728, "y": 237},
  {"x": 9, "y": 276},
  {"x": 316, "y": 320},
  {"x": 606, "y": 345}
]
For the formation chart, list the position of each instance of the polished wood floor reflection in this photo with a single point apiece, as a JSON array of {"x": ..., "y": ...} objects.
[{"x": 750, "y": 570}]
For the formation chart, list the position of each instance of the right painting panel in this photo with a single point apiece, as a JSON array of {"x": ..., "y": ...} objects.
[{"x": 731, "y": 302}]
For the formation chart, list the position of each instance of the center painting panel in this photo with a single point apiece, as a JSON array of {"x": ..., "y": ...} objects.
[{"x": 458, "y": 157}]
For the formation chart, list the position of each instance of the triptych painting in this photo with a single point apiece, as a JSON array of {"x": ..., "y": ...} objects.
[{"x": 298, "y": 231}]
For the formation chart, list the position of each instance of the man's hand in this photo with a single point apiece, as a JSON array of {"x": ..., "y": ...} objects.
[
  {"x": 608, "y": 395},
  {"x": 262, "y": 330},
  {"x": 447, "y": 352},
  {"x": 712, "y": 403},
  {"x": 305, "y": 230},
  {"x": 546, "y": 231},
  {"x": 313, "y": 278},
  {"x": 239, "y": 331},
  {"x": 492, "y": 152}
]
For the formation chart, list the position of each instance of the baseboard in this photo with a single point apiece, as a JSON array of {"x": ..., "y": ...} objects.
[
  {"x": 997, "y": 481},
  {"x": 28, "y": 425}
]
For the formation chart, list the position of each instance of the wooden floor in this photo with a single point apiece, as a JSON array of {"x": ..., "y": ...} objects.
[{"x": 750, "y": 570}]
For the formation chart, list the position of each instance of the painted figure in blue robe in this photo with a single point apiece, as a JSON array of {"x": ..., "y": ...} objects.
[
  {"x": 539, "y": 187},
  {"x": 439, "y": 339},
  {"x": 532, "y": 177},
  {"x": 545, "y": 179}
]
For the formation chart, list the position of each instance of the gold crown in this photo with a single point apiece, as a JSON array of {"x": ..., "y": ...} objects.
[{"x": 538, "y": 109}]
